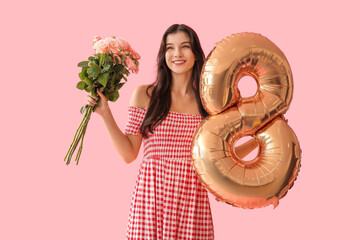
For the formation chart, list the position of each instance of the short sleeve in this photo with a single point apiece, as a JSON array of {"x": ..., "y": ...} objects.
[{"x": 135, "y": 119}]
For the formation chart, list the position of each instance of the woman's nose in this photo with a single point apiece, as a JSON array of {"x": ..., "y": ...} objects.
[{"x": 178, "y": 52}]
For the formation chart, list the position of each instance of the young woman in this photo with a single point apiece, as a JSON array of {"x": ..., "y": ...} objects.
[{"x": 169, "y": 202}]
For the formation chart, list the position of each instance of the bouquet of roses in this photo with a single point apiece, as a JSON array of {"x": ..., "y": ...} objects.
[{"x": 112, "y": 62}]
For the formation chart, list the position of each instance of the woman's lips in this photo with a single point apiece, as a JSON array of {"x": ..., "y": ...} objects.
[{"x": 179, "y": 62}]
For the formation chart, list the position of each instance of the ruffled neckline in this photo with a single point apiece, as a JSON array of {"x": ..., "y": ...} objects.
[{"x": 172, "y": 112}]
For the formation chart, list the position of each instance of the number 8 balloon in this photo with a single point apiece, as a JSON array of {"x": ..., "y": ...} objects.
[{"x": 267, "y": 178}]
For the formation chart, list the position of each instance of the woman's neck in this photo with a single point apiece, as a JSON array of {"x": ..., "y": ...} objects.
[{"x": 182, "y": 84}]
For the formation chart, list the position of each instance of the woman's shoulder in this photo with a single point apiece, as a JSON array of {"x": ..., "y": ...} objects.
[{"x": 141, "y": 96}]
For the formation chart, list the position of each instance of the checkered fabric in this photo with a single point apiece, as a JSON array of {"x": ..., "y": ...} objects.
[{"x": 169, "y": 202}]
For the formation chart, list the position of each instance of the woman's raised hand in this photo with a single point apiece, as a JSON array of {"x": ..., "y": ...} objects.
[{"x": 104, "y": 106}]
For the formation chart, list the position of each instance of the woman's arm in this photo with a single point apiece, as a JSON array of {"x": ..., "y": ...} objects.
[
  {"x": 246, "y": 148},
  {"x": 127, "y": 146}
]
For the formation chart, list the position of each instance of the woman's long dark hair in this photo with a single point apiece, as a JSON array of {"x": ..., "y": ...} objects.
[{"x": 160, "y": 99}]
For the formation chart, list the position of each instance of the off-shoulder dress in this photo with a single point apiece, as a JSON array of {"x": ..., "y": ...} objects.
[{"x": 168, "y": 202}]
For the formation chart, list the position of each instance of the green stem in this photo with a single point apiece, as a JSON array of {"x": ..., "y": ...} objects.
[
  {"x": 79, "y": 135},
  {"x": 75, "y": 136},
  {"x": 80, "y": 147},
  {"x": 101, "y": 59},
  {"x": 76, "y": 142},
  {"x": 81, "y": 138}
]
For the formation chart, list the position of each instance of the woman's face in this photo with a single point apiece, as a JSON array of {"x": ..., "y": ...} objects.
[{"x": 179, "y": 56}]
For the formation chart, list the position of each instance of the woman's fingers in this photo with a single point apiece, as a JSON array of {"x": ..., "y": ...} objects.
[
  {"x": 93, "y": 101},
  {"x": 90, "y": 101},
  {"x": 101, "y": 95}
]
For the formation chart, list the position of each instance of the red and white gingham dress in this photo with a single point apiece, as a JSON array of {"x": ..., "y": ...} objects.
[{"x": 169, "y": 202}]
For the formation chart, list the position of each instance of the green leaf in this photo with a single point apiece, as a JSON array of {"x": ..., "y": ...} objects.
[
  {"x": 91, "y": 58},
  {"x": 83, "y": 64},
  {"x": 92, "y": 86},
  {"x": 115, "y": 78},
  {"x": 107, "y": 94},
  {"x": 115, "y": 95},
  {"x": 81, "y": 85},
  {"x": 89, "y": 88},
  {"x": 105, "y": 68},
  {"x": 118, "y": 86},
  {"x": 87, "y": 81},
  {"x": 94, "y": 64},
  {"x": 92, "y": 73},
  {"x": 81, "y": 75},
  {"x": 118, "y": 67},
  {"x": 112, "y": 96},
  {"x": 111, "y": 69},
  {"x": 84, "y": 70},
  {"x": 94, "y": 70},
  {"x": 102, "y": 59},
  {"x": 103, "y": 79},
  {"x": 109, "y": 59},
  {"x": 83, "y": 109},
  {"x": 125, "y": 71}
]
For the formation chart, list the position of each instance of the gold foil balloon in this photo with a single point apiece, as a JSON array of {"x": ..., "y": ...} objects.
[{"x": 268, "y": 177}]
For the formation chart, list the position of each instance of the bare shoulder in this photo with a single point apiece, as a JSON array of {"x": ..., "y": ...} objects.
[{"x": 139, "y": 98}]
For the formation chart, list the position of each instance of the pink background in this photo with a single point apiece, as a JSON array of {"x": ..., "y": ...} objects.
[{"x": 42, "y": 42}]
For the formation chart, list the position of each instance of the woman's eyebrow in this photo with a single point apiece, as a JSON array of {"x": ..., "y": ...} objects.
[{"x": 181, "y": 43}]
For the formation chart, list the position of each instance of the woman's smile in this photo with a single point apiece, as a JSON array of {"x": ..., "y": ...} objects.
[
  {"x": 179, "y": 62},
  {"x": 179, "y": 56}
]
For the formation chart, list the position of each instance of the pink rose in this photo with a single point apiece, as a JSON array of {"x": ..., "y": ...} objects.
[
  {"x": 96, "y": 38},
  {"x": 124, "y": 44},
  {"x": 131, "y": 65},
  {"x": 134, "y": 54},
  {"x": 116, "y": 56},
  {"x": 101, "y": 46},
  {"x": 113, "y": 44},
  {"x": 136, "y": 70}
]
